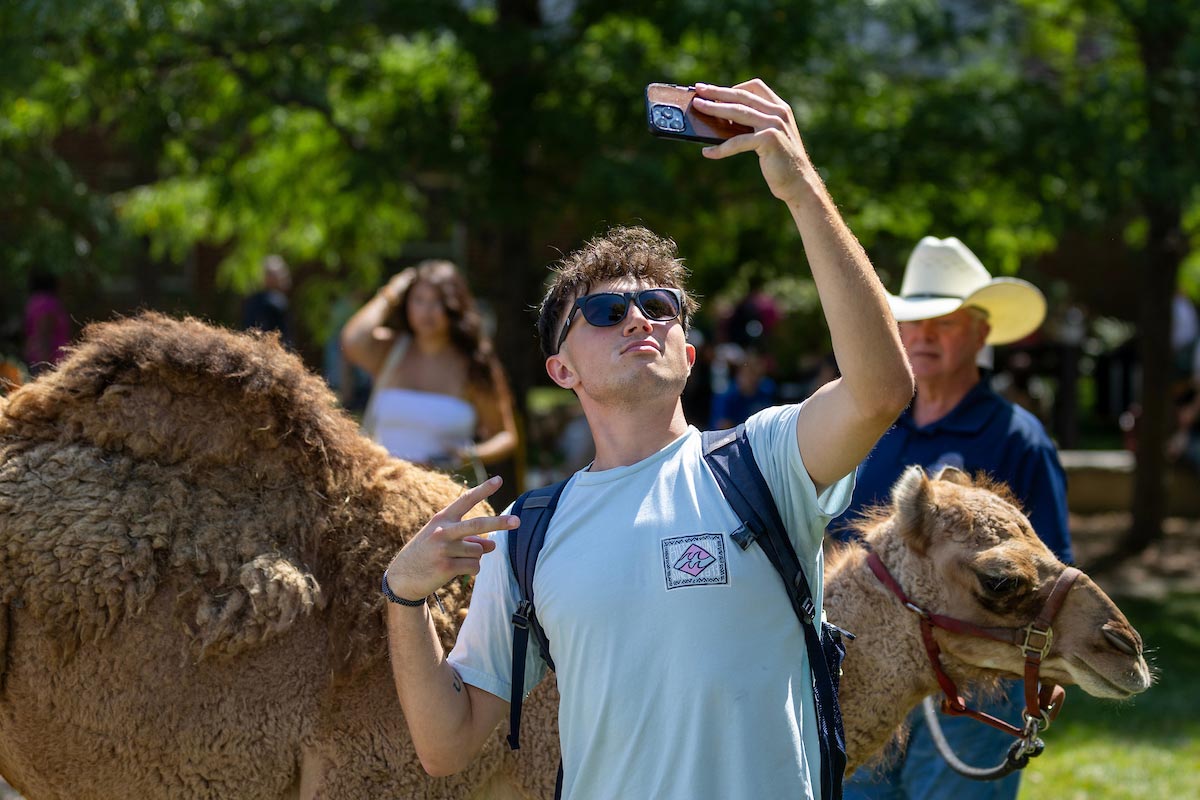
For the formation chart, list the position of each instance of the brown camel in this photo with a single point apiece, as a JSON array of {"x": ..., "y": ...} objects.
[
  {"x": 962, "y": 549},
  {"x": 191, "y": 538}
]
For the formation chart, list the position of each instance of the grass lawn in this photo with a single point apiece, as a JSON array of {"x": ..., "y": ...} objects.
[{"x": 1146, "y": 748}]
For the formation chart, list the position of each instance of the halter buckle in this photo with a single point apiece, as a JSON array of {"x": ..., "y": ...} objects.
[
  {"x": 1047, "y": 639},
  {"x": 1035, "y": 725}
]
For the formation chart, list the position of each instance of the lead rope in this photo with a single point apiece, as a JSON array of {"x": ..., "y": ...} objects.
[{"x": 1028, "y": 746}]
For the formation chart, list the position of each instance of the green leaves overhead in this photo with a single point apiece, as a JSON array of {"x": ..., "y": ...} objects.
[{"x": 339, "y": 132}]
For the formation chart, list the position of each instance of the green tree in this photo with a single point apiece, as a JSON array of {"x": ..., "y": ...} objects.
[{"x": 1054, "y": 134}]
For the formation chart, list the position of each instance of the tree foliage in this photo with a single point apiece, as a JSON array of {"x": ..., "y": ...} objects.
[{"x": 340, "y": 132}]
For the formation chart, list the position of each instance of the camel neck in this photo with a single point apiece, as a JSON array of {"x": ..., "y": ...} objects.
[{"x": 885, "y": 673}]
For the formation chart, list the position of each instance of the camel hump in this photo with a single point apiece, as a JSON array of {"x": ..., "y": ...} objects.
[
  {"x": 180, "y": 390},
  {"x": 171, "y": 453}
]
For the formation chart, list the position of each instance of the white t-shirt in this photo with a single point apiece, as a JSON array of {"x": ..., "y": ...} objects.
[{"x": 681, "y": 666}]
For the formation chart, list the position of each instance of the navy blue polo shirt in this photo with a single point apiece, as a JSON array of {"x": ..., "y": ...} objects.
[{"x": 984, "y": 432}]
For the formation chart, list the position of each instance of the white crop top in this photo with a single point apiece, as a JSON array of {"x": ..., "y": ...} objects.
[
  {"x": 425, "y": 427},
  {"x": 422, "y": 426}
]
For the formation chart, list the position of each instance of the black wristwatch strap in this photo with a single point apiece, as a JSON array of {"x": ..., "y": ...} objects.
[{"x": 395, "y": 598}]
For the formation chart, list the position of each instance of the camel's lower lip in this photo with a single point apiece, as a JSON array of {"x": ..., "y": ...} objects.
[{"x": 1118, "y": 692}]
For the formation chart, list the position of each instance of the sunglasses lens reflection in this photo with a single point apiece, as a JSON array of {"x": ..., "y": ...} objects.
[
  {"x": 658, "y": 304},
  {"x": 608, "y": 309},
  {"x": 605, "y": 309}
]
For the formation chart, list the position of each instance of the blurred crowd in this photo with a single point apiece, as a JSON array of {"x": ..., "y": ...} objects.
[{"x": 745, "y": 362}]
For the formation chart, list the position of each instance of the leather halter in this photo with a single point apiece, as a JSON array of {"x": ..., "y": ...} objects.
[{"x": 1041, "y": 704}]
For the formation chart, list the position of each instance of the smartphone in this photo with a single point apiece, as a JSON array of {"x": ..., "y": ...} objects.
[{"x": 669, "y": 114}]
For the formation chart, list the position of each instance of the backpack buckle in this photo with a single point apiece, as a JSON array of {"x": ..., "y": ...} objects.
[
  {"x": 520, "y": 617},
  {"x": 746, "y": 535},
  {"x": 807, "y": 608}
]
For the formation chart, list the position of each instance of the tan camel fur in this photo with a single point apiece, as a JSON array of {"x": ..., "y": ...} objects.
[
  {"x": 962, "y": 549},
  {"x": 191, "y": 542},
  {"x": 191, "y": 539}
]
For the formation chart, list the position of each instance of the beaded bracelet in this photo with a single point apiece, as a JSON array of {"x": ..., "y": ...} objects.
[{"x": 395, "y": 598}]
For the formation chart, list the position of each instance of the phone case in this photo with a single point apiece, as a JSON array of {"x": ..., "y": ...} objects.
[{"x": 669, "y": 114}]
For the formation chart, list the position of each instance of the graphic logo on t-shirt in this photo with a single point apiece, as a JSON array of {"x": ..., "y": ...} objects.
[
  {"x": 694, "y": 560},
  {"x": 697, "y": 560}
]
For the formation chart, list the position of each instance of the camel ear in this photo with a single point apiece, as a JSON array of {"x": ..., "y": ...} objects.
[
  {"x": 953, "y": 475},
  {"x": 912, "y": 503}
]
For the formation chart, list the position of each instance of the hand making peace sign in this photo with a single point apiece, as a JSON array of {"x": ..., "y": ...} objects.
[{"x": 448, "y": 545}]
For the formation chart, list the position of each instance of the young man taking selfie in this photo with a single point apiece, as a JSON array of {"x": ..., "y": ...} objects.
[{"x": 682, "y": 669}]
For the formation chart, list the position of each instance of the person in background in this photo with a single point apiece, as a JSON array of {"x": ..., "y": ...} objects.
[
  {"x": 268, "y": 308},
  {"x": 750, "y": 391},
  {"x": 1183, "y": 446},
  {"x": 698, "y": 392},
  {"x": 949, "y": 309},
  {"x": 350, "y": 383},
  {"x": 825, "y": 371},
  {"x": 440, "y": 396},
  {"x": 47, "y": 324},
  {"x": 1185, "y": 332},
  {"x": 754, "y": 317}
]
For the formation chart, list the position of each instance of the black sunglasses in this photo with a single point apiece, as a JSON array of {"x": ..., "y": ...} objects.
[{"x": 605, "y": 309}]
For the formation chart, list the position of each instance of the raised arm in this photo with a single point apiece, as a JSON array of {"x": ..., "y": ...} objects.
[
  {"x": 842, "y": 421},
  {"x": 365, "y": 342},
  {"x": 449, "y": 720}
]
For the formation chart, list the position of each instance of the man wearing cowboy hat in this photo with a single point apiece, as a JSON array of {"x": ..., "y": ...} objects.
[{"x": 949, "y": 309}]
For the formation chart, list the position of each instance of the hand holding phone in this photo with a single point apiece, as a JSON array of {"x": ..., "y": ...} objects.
[{"x": 670, "y": 115}]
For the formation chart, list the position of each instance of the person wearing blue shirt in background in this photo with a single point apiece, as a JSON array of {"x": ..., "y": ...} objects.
[
  {"x": 267, "y": 309},
  {"x": 948, "y": 310},
  {"x": 750, "y": 391}
]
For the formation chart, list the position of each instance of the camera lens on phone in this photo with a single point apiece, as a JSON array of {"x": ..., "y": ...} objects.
[{"x": 667, "y": 118}]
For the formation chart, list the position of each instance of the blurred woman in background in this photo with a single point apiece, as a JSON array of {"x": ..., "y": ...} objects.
[{"x": 440, "y": 396}]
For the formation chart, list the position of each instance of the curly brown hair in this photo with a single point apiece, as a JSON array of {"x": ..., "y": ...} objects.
[
  {"x": 466, "y": 324},
  {"x": 622, "y": 252}
]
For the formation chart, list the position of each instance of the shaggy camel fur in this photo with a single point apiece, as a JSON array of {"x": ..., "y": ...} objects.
[
  {"x": 961, "y": 549},
  {"x": 191, "y": 539}
]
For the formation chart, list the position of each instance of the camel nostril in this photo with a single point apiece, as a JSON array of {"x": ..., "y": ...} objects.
[{"x": 1121, "y": 640}]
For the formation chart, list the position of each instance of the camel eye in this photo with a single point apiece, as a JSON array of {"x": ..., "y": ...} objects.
[{"x": 999, "y": 584}]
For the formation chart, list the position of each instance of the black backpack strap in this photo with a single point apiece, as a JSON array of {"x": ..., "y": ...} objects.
[
  {"x": 534, "y": 508},
  {"x": 731, "y": 460}
]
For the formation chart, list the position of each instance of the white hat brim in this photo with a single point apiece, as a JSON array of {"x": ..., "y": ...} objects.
[
  {"x": 1015, "y": 308},
  {"x": 906, "y": 309}
]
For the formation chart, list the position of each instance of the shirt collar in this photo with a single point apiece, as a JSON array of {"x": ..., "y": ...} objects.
[{"x": 971, "y": 415}]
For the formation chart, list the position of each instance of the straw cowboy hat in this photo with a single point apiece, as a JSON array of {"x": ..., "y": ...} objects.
[{"x": 942, "y": 275}]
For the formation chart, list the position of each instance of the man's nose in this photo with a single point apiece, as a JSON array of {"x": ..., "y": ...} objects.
[
  {"x": 635, "y": 320},
  {"x": 925, "y": 328}
]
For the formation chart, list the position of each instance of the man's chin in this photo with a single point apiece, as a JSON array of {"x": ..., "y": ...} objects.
[
  {"x": 927, "y": 367},
  {"x": 642, "y": 385}
]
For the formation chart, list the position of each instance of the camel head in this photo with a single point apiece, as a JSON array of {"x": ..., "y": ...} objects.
[{"x": 962, "y": 548}]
